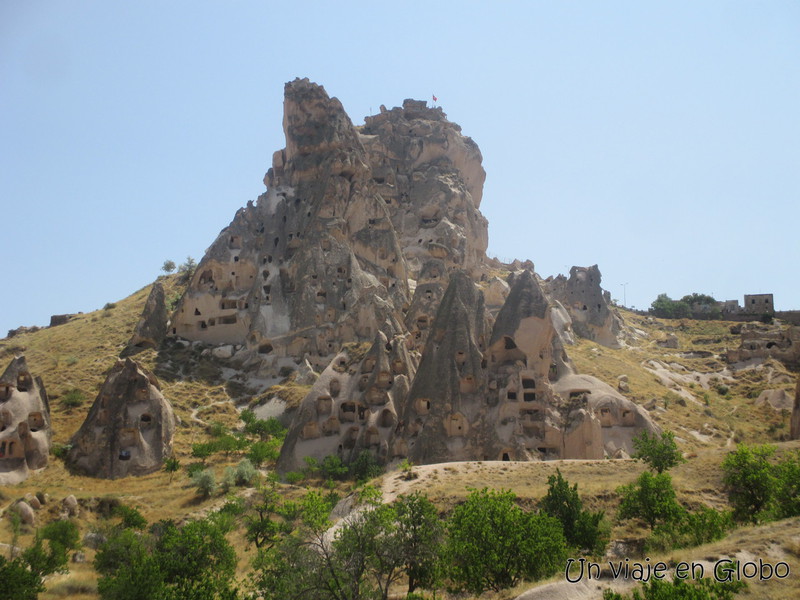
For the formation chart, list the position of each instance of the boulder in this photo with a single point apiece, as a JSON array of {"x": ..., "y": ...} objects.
[
  {"x": 25, "y": 512},
  {"x": 70, "y": 505}
]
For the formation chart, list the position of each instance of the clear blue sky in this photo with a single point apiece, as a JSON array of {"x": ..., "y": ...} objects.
[{"x": 660, "y": 140}]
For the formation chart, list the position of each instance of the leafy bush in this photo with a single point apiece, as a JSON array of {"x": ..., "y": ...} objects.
[
  {"x": 110, "y": 305},
  {"x": 702, "y": 589},
  {"x": 332, "y": 467},
  {"x": 72, "y": 398},
  {"x": 293, "y": 477},
  {"x": 787, "y": 488},
  {"x": 583, "y": 529},
  {"x": 365, "y": 466},
  {"x": 246, "y": 473},
  {"x": 205, "y": 482},
  {"x": 261, "y": 452},
  {"x": 168, "y": 266},
  {"x": 691, "y": 529},
  {"x": 493, "y": 543},
  {"x": 749, "y": 479},
  {"x": 131, "y": 517},
  {"x": 650, "y": 498}
]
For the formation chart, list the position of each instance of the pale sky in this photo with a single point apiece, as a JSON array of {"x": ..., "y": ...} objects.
[{"x": 660, "y": 140}]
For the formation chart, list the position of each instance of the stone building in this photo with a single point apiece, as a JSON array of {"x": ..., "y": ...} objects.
[{"x": 760, "y": 304}]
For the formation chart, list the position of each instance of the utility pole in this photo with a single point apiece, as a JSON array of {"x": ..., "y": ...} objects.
[{"x": 624, "y": 294}]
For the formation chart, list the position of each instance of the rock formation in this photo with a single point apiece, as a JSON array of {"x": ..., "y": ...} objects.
[
  {"x": 373, "y": 235},
  {"x": 129, "y": 428},
  {"x": 152, "y": 326},
  {"x": 764, "y": 341},
  {"x": 354, "y": 405},
  {"x": 588, "y": 305},
  {"x": 24, "y": 423}
]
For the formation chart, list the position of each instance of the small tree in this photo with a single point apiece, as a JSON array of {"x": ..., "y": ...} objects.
[
  {"x": 650, "y": 498},
  {"x": 420, "y": 535},
  {"x": 582, "y": 528},
  {"x": 171, "y": 466},
  {"x": 749, "y": 479},
  {"x": 659, "y": 452},
  {"x": 493, "y": 544},
  {"x": 168, "y": 266}
]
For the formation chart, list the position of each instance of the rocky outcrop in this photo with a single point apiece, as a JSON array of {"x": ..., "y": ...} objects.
[
  {"x": 353, "y": 219},
  {"x": 129, "y": 428},
  {"x": 446, "y": 416},
  {"x": 588, "y": 305},
  {"x": 761, "y": 341},
  {"x": 431, "y": 178},
  {"x": 794, "y": 429},
  {"x": 315, "y": 263},
  {"x": 25, "y": 430},
  {"x": 152, "y": 326},
  {"x": 354, "y": 405}
]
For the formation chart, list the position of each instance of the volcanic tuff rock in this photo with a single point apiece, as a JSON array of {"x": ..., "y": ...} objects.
[
  {"x": 588, "y": 305},
  {"x": 152, "y": 326},
  {"x": 129, "y": 428},
  {"x": 373, "y": 235},
  {"x": 24, "y": 423},
  {"x": 764, "y": 341}
]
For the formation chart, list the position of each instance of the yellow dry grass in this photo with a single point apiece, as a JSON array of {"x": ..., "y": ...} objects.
[{"x": 78, "y": 354}]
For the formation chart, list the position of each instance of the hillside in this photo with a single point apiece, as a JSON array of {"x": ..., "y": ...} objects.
[{"x": 707, "y": 424}]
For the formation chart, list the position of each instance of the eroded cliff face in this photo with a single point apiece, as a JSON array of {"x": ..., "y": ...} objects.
[
  {"x": 350, "y": 219},
  {"x": 373, "y": 235},
  {"x": 25, "y": 430}
]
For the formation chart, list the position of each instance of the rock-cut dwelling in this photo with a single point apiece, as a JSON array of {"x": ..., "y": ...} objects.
[
  {"x": 129, "y": 428},
  {"x": 24, "y": 423}
]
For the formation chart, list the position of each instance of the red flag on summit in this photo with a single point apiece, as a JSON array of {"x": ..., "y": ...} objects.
[{"x": 435, "y": 99}]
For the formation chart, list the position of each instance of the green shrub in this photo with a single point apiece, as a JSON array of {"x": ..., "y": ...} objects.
[
  {"x": 110, "y": 305},
  {"x": 246, "y": 473},
  {"x": 749, "y": 479},
  {"x": 650, "y": 498},
  {"x": 332, "y": 467},
  {"x": 293, "y": 477},
  {"x": 365, "y": 467},
  {"x": 72, "y": 398},
  {"x": 205, "y": 482},
  {"x": 131, "y": 517},
  {"x": 493, "y": 544}
]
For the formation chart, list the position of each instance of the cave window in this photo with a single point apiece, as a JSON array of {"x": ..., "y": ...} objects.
[
  {"x": 24, "y": 382},
  {"x": 508, "y": 343},
  {"x": 235, "y": 259},
  {"x": 5, "y": 392},
  {"x": 196, "y": 312},
  {"x": 146, "y": 418},
  {"x": 265, "y": 348},
  {"x": 212, "y": 322},
  {"x": 512, "y": 395},
  {"x": 203, "y": 325},
  {"x": 230, "y": 320},
  {"x": 276, "y": 242},
  {"x": 529, "y": 396},
  {"x": 506, "y": 457},
  {"x": 528, "y": 383},
  {"x": 584, "y": 307},
  {"x": 124, "y": 454}
]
